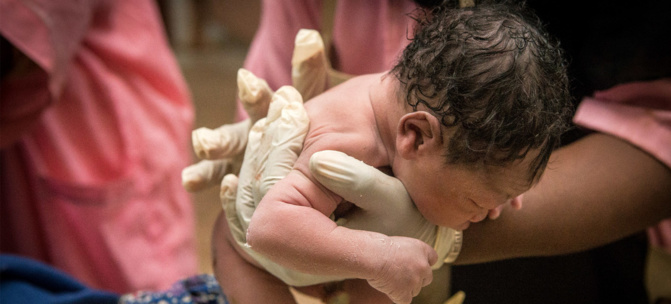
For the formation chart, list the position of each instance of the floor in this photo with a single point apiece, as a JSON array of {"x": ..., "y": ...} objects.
[{"x": 210, "y": 72}]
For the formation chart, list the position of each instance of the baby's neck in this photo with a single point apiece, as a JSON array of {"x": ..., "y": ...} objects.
[{"x": 387, "y": 110}]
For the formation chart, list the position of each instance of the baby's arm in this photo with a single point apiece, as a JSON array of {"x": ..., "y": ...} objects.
[{"x": 291, "y": 227}]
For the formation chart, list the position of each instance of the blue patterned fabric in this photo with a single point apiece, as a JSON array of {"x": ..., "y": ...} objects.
[
  {"x": 201, "y": 289},
  {"x": 23, "y": 280}
]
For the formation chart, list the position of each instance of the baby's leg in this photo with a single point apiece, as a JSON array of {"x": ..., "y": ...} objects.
[
  {"x": 241, "y": 281},
  {"x": 360, "y": 292},
  {"x": 345, "y": 292}
]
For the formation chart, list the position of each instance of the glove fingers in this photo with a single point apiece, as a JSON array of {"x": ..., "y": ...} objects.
[
  {"x": 286, "y": 134},
  {"x": 223, "y": 142},
  {"x": 264, "y": 146},
  {"x": 227, "y": 194},
  {"x": 254, "y": 93},
  {"x": 309, "y": 68},
  {"x": 308, "y": 44},
  {"x": 357, "y": 182},
  {"x": 248, "y": 173},
  {"x": 457, "y": 298},
  {"x": 281, "y": 98},
  {"x": 204, "y": 174}
]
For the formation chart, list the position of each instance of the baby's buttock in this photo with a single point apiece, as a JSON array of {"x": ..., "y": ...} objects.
[{"x": 231, "y": 240}]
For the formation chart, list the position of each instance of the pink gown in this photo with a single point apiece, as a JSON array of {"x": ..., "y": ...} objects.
[
  {"x": 93, "y": 187},
  {"x": 640, "y": 113},
  {"x": 368, "y": 36}
]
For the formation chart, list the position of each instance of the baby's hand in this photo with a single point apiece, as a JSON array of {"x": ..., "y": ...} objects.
[{"x": 404, "y": 269}]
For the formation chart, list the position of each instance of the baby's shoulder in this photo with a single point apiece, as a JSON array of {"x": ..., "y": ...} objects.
[{"x": 362, "y": 142}]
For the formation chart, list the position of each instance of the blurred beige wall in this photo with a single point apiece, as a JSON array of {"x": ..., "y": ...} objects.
[{"x": 198, "y": 23}]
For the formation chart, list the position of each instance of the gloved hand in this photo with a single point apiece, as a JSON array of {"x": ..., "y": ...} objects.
[
  {"x": 384, "y": 205},
  {"x": 273, "y": 147},
  {"x": 274, "y": 144},
  {"x": 221, "y": 149}
]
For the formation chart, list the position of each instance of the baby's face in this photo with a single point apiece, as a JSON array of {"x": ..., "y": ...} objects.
[{"x": 455, "y": 195}]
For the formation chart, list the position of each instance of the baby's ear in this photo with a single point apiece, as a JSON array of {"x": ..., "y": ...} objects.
[{"x": 418, "y": 132}]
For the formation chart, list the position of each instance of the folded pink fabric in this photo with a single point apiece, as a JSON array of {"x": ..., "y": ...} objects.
[
  {"x": 640, "y": 113},
  {"x": 368, "y": 37}
]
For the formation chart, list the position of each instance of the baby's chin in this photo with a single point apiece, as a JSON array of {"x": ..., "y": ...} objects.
[
  {"x": 463, "y": 226},
  {"x": 449, "y": 223}
]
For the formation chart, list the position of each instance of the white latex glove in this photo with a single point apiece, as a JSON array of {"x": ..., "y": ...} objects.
[
  {"x": 273, "y": 146},
  {"x": 311, "y": 72},
  {"x": 222, "y": 149},
  {"x": 309, "y": 67},
  {"x": 384, "y": 204}
]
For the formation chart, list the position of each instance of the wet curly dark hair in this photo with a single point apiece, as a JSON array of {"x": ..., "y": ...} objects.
[{"x": 493, "y": 76}]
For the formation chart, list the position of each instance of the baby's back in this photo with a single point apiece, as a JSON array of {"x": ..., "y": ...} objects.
[{"x": 342, "y": 119}]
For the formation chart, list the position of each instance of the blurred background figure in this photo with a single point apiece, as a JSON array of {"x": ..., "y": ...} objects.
[{"x": 95, "y": 121}]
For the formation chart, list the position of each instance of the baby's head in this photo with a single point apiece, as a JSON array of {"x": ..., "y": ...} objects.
[{"x": 496, "y": 85}]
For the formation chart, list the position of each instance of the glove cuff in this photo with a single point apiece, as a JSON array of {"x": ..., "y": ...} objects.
[
  {"x": 447, "y": 245},
  {"x": 457, "y": 239}
]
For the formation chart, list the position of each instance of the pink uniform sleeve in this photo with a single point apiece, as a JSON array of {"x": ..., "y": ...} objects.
[
  {"x": 636, "y": 112},
  {"x": 24, "y": 25},
  {"x": 368, "y": 37},
  {"x": 639, "y": 113},
  {"x": 270, "y": 53}
]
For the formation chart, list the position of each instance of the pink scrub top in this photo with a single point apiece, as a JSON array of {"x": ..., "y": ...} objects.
[
  {"x": 368, "y": 36},
  {"x": 93, "y": 187},
  {"x": 640, "y": 113}
]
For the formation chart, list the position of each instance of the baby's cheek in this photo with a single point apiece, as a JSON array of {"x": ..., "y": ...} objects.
[
  {"x": 449, "y": 213},
  {"x": 434, "y": 212}
]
